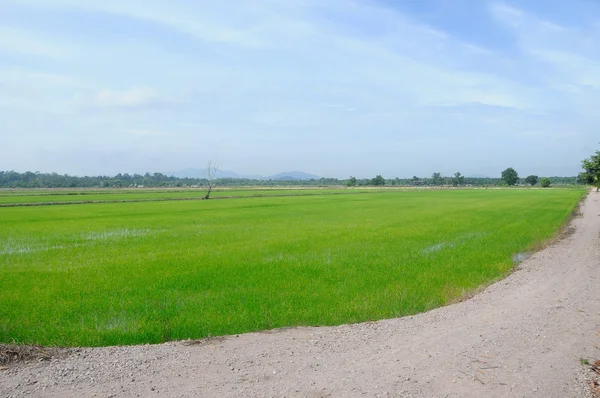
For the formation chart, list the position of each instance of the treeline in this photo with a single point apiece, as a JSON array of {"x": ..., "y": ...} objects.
[
  {"x": 456, "y": 180},
  {"x": 13, "y": 179}
]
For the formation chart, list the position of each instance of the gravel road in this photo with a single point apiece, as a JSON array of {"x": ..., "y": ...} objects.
[{"x": 524, "y": 336}]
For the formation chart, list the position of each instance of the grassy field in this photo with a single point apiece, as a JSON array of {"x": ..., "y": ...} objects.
[
  {"x": 8, "y": 197},
  {"x": 147, "y": 272}
]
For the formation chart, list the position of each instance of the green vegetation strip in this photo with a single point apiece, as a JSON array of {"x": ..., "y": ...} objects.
[
  {"x": 148, "y": 272},
  {"x": 112, "y": 196}
]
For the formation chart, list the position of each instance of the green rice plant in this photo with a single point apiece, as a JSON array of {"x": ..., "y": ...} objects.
[
  {"x": 148, "y": 272},
  {"x": 24, "y": 197}
]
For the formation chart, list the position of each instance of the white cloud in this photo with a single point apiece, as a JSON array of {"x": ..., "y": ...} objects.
[
  {"x": 422, "y": 68},
  {"x": 507, "y": 14},
  {"x": 182, "y": 16},
  {"x": 23, "y": 41},
  {"x": 127, "y": 98},
  {"x": 30, "y": 90},
  {"x": 569, "y": 55},
  {"x": 138, "y": 97},
  {"x": 144, "y": 132},
  {"x": 341, "y": 80},
  {"x": 573, "y": 68}
]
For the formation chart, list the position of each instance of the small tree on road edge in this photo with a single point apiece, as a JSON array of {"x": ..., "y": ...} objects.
[{"x": 591, "y": 173}]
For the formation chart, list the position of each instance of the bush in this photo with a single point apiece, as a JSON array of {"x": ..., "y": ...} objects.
[{"x": 545, "y": 182}]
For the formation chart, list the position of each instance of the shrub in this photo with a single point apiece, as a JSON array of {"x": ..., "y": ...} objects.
[{"x": 545, "y": 182}]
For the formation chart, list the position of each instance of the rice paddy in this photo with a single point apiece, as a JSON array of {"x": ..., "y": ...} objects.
[{"x": 158, "y": 270}]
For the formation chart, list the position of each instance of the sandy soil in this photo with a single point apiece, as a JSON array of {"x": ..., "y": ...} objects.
[{"x": 524, "y": 336}]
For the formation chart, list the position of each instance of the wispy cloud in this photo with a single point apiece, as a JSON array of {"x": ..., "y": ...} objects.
[
  {"x": 143, "y": 132},
  {"x": 22, "y": 41},
  {"x": 127, "y": 98},
  {"x": 303, "y": 81},
  {"x": 570, "y": 54}
]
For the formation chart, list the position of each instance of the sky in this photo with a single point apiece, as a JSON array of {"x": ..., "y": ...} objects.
[{"x": 336, "y": 88}]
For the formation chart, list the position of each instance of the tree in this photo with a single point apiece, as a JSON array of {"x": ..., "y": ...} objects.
[
  {"x": 458, "y": 179},
  {"x": 351, "y": 182},
  {"x": 531, "y": 180},
  {"x": 510, "y": 176},
  {"x": 211, "y": 173},
  {"x": 437, "y": 178},
  {"x": 378, "y": 181},
  {"x": 545, "y": 182},
  {"x": 591, "y": 173}
]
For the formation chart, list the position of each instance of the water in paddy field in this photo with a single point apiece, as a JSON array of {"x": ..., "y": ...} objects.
[
  {"x": 460, "y": 240},
  {"x": 27, "y": 246},
  {"x": 520, "y": 257}
]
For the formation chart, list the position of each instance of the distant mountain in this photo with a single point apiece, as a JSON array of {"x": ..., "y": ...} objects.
[
  {"x": 201, "y": 173},
  {"x": 294, "y": 176}
]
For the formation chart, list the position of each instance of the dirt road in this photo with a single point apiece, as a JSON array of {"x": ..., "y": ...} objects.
[{"x": 522, "y": 337}]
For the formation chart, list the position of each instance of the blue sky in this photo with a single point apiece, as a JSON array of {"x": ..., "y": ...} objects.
[{"x": 331, "y": 87}]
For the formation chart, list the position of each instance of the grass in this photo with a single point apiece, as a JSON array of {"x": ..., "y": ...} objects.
[{"x": 148, "y": 272}]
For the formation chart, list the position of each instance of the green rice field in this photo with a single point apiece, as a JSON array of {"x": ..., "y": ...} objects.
[
  {"x": 20, "y": 197},
  {"x": 152, "y": 271}
]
